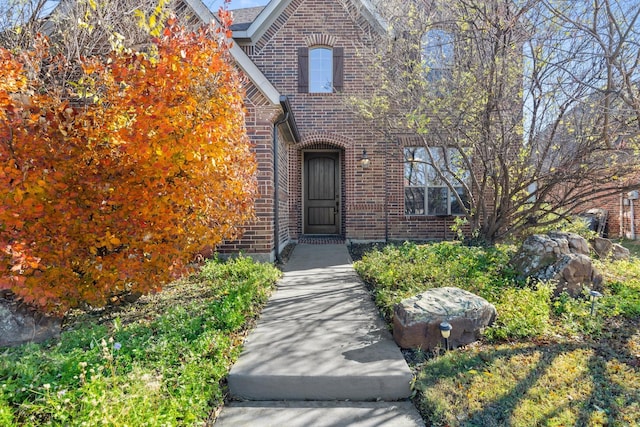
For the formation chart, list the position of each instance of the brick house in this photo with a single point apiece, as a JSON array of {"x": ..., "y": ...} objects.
[{"x": 301, "y": 64}]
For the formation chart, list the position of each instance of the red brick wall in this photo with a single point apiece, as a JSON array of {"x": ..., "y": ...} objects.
[
  {"x": 259, "y": 237},
  {"x": 372, "y": 199},
  {"x": 613, "y": 206},
  {"x": 324, "y": 120}
]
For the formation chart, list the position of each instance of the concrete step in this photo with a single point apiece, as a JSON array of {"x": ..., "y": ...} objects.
[
  {"x": 320, "y": 354},
  {"x": 320, "y": 360},
  {"x": 319, "y": 414}
]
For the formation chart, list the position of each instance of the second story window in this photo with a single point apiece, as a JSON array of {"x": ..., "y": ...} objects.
[
  {"x": 320, "y": 69},
  {"x": 437, "y": 54}
]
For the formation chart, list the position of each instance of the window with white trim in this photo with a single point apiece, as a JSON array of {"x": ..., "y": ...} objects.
[
  {"x": 437, "y": 54},
  {"x": 320, "y": 69},
  {"x": 425, "y": 192}
]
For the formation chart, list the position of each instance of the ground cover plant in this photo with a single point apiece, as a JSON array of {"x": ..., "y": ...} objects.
[
  {"x": 546, "y": 360},
  {"x": 159, "y": 361}
]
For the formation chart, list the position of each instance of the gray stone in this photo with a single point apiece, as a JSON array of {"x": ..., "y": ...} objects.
[
  {"x": 606, "y": 249},
  {"x": 19, "y": 325},
  {"x": 416, "y": 320},
  {"x": 619, "y": 252},
  {"x": 602, "y": 247},
  {"x": 559, "y": 257},
  {"x": 577, "y": 244},
  {"x": 537, "y": 252}
]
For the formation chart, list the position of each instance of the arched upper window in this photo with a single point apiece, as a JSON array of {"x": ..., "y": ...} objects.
[
  {"x": 437, "y": 53},
  {"x": 321, "y": 70}
]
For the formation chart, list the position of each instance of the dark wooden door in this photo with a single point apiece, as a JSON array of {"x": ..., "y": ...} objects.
[{"x": 322, "y": 193}]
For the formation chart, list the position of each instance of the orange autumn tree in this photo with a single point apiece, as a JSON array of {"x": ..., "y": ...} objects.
[{"x": 111, "y": 183}]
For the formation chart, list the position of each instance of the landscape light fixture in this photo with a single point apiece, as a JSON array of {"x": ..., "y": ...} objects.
[
  {"x": 364, "y": 161},
  {"x": 594, "y": 295},
  {"x": 445, "y": 331}
]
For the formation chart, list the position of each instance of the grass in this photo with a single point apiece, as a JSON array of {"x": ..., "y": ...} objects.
[
  {"x": 160, "y": 361},
  {"x": 546, "y": 360}
]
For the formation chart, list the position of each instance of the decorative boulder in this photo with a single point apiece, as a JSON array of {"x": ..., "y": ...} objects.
[
  {"x": 416, "y": 320},
  {"x": 572, "y": 272},
  {"x": 18, "y": 325},
  {"x": 605, "y": 248},
  {"x": 576, "y": 243},
  {"x": 602, "y": 247},
  {"x": 560, "y": 257},
  {"x": 619, "y": 252}
]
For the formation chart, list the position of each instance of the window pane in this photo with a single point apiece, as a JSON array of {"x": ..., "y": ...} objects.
[
  {"x": 415, "y": 154},
  {"x": 414, "y": 168},
  {"x": 414, "y": 201},
  {"x": 457, "y": 169},
  {"x": 437, "y": 49},
  {"x": 456, "y": 208},
  {"x": 321, "y": 70},
  {"x": 437, "y": 54},
  {"x": 433, "y": 178},
  {"x": 438, "y": 201}
]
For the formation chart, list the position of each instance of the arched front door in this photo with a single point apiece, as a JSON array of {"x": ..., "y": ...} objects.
[{"x": 322, "y": 192}]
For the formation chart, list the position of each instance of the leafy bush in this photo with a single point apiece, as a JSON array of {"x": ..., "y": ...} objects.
[
  {"x": 162, "y": 369},
  {"x": 118, "y": 190},
  {"x": 566, "y": 223},
  {"x": 522, "y": 312},
  {"x": 399, "y": 272},
  {"x": 622, "y": 293}
]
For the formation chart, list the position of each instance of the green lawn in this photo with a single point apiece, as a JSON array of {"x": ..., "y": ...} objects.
[
  {"x": 158, "y": 362},
  {"x": 546, "y": 361}
]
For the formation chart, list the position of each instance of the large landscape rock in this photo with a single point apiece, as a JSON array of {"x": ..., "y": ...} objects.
[
  {"x": 416, "y": 320},
  {"x": 559, "y": 257},
  {"x": 602, "y": 247},
  {"x": 619, "y": 252},
  {"x": 605, "y": 248},
  {"x": 19, "y": 325}
]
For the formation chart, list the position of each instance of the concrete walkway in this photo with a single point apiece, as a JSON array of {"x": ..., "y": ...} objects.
[{"x": 320, "y": 354}]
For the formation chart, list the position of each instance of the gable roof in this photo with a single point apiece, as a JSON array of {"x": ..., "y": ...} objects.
[
  {"x": 243, "y": 18},
  {"x": 246, "y": 65},
  {"x": 252, "y": 23},
  {"x": 266, "y": 17}
]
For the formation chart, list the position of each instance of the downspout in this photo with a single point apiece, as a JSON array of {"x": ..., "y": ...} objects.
[
  {"x": 386, "y": 191},
  {"x": 276, "y": 185},
  {"x": 621, "y": 216},
  {"x": 632, "y": 217}
]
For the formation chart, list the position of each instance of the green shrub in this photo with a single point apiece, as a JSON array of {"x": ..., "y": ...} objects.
[
  {"x": 399, "y": 272},
  {"x": 622, "y": 287},
  {"x": 573, "y": 315},
  {"x": 569, "y": 224},
  {"x": 522, "y": 313},
  {"x": 163, "y": 369}
]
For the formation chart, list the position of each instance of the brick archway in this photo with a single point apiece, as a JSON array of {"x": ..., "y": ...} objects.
[{"x": 322, "y": 141}]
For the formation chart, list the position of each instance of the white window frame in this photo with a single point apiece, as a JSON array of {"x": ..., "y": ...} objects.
[
  {"x": 320, "y": 69},
  {"x": 421, "y": 178},
  {"x": 438, "y": 50}
]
